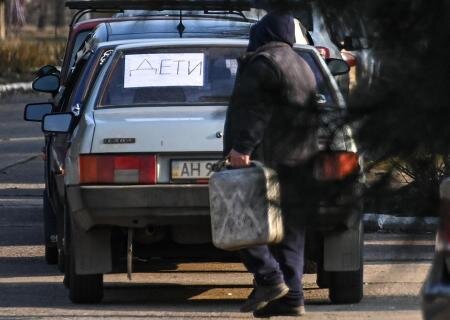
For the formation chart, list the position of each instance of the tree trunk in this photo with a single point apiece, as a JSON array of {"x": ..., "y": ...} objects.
[
  {"x": 59, "y": 13},
  {"x": 2, "y": 20},
  {"x": 43, "y": 14}
]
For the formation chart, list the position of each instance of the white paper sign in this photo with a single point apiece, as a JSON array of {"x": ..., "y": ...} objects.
[{"x": 164, "y": 70}]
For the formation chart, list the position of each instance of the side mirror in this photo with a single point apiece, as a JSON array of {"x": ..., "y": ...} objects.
[
  {"x": 338, "y": 67},
  {"x": 46, "y": 70},
  {"x": 36, "y": 111},
  {"x": 57, "y": 122},
  {"x": 48, "y": 83}
]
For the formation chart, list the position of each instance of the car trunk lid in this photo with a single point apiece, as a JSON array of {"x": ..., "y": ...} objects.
[{"x": 159, "y": 129}]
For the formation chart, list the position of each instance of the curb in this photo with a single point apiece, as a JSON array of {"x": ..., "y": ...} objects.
[
  {"x": 392, "y": 224},
  {"x": 14, "y": 87}
]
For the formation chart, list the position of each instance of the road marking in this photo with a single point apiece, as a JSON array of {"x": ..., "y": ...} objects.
[
  {"x": 22, "y": 139},
  {"x": 23, "y": 203},
  {"x": 33, "y": 186},
  {"x": 21, "y": 251},
  {"x": 38, "y": 279},
  {"x": 403, "y": 242}
]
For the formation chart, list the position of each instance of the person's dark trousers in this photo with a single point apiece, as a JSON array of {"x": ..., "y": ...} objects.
[{"x": 281, "y": 262}]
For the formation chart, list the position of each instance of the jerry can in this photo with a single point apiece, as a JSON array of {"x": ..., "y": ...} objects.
[{"x": 245, "y": 207}]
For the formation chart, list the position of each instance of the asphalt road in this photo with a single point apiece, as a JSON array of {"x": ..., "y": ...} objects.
[{"x": 396, "y": 265}]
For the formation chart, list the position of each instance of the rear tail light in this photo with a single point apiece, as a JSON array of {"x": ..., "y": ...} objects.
[
  {"x": 349, "y": 58},
  {"x": 118, "y": 169},
  {"x": 324, "y": 52},
  {"x": 336, "y": 165}
]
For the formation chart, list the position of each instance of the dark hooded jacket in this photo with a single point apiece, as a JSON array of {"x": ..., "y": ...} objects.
[
  {"x": 271, "y": 114},
  {"x": 275, "y": 88}
]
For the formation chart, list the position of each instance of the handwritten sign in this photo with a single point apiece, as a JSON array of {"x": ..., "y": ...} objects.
[{"x": 164, "y": 70}]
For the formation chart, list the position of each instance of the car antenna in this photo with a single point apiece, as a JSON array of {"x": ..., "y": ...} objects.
[{"x": 181, "y": 26}]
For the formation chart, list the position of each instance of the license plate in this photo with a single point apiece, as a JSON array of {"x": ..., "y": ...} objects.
[{"x": 192, "y": 169}]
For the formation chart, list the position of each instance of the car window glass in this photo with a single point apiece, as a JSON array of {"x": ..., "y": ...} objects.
[
  {"x": 212, "y": 81},
  {"x": 88, "y": 71},
  {"x": 323, "y": 87},
  {"x": 76, "y": 80},
  {"x": 79, "y": 40}
]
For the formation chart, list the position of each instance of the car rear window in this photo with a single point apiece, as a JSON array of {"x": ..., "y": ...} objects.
[
  {"x": 184, "y": 77},
  {"x": 172, "y": 76}
]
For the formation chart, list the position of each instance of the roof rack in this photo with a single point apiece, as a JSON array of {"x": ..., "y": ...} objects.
[
  {"x": 237, "y": 5},
  {"x": 161, "y": 4}
]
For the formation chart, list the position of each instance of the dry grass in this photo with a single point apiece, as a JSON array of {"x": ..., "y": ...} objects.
[{"x": 20, "y": 58}]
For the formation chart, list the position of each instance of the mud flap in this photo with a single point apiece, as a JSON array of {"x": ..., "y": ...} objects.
[
  {"x": 342, "y": 250},
  {"x": 92, "y": 250}
]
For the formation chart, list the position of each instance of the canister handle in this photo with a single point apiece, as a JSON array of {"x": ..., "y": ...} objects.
[
  {"x": 221, "y": 165},
  {"x": 225, "y": 165}
]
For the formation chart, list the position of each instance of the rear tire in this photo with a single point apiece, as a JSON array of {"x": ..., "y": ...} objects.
[
  {"x": 51, "y": 254},
  {"x": 51, "y": 250},
  {"x": 82, "y": 288},
  {"x": 61, "y": 235},
  {"x": 323, "y": 278},
  {"x": 61, "y": 260},
  {"x": 65, "y": 251},
  {"x": 348, "y": 286}
]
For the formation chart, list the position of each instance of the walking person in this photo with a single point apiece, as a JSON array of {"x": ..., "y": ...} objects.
[{"x": 265, "y": 121}]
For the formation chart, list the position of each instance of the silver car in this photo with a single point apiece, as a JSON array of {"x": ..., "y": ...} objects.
[{"x": 142, "y": 149}]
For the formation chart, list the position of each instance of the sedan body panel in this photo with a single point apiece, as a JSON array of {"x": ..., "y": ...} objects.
[{"x": 160, "y": 129}]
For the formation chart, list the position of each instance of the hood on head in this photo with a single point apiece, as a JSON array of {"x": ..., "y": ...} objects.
[{"x": 275, "y": 26}]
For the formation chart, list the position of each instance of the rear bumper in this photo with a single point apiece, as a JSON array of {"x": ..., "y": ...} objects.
[{"x": 138, "y": 206}]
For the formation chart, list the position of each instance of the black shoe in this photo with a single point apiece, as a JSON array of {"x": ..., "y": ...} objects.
[
  {"x": 262, "y": 295},
  {"x": 279, "y": 307}
]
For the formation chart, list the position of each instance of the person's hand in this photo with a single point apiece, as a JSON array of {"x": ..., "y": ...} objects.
[{"x": 238, "y": 160}]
